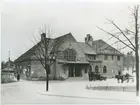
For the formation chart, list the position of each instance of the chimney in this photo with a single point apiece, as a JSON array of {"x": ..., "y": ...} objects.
[
  {"x": 89, "y": 39},
  {"x": 43, "y": 36}
]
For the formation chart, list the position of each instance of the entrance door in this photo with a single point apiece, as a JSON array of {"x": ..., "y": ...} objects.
[
  {"x": 71, "y": 71},
  {"x": 75, "y": 71},
  {"x": 78, "y": 71}
]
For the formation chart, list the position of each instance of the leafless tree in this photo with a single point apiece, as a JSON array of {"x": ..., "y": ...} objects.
[
  {"x": 129, "y": 35},
  {"x": 46, "y": 51}
]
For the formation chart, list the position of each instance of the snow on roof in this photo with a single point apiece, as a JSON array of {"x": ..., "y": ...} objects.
[
  {"x": 102, "y": 48},
  {"x": 86, "y": 48},
  {"x": 27, "y": 55},
  {"x": 105, "y": 48}
]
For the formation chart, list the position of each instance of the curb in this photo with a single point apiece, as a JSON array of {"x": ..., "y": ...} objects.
[{"x": 70, "y": 96}]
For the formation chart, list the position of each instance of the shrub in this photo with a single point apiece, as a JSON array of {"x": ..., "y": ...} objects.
[
  {"x": 5, "y": 78},
  {"x": 61, "y": 78}
]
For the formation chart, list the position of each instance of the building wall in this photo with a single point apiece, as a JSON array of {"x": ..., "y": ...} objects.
[
  {"x": 62, "y": 70},
  {"x": 22, "y": 67},
  {"x": 94, "y": 64},
  {"x": 70, "y": 43},
  {"x": 59, "y": 70},
  {"x": 84, "y": 75},
  {"x": 37, "y": 69},
  {"x": 113, "y": 66}
]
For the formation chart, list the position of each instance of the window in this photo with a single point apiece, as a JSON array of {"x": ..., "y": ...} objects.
[
  {"x": 70, "y": 55},
  {"x": 96, "y": 69},
  {"x": 112, "y": 57},
  {"x": 104, "y": 69},
  {"x": 92, "y": 57},
  {"x": 90, "y": 68},
  {"x": 105, "y": 57},
  {"x": 118, "y": 58}
]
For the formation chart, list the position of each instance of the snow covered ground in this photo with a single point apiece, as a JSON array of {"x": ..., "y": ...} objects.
[{"x": 72, "y": 92}]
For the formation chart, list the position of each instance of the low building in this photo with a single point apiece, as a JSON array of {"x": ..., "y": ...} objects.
[
  {"x": 73, "y": 59},
  {"x": 8, "y": 72}
]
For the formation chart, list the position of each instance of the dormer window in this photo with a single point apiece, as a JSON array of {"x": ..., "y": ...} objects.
[{"x": 91, "y": 57}]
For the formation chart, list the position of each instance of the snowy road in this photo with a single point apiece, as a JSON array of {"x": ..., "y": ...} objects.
[{"x": 33, "y": 92}]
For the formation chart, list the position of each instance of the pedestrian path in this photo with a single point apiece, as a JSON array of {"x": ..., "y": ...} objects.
[{"x": 103, "y": 95}]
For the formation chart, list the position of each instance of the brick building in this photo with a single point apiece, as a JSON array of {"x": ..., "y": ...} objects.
[{"x": 74, "y": 59}]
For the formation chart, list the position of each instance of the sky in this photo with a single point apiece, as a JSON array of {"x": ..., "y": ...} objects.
[{"x": 21, "y": 21}]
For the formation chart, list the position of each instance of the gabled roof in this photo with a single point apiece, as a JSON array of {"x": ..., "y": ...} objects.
[
  {"x": 53, "y": 42},
  {"x": 101, "y": 47},
  {"x": 104, "y": 48},
  {"x": 60, "y": 38},
  {"x": 86, "y": 48},
  {"x": 26, "y": 55}
]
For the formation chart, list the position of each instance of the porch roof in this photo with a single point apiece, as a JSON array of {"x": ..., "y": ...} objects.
[
  {"x": 73, "y": 62},
  {"x": 95, "y": 61}
]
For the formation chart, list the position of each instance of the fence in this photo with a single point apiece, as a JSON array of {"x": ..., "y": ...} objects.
[{"x": 113, "y": 88}]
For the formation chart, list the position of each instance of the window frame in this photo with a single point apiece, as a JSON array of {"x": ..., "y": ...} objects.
[
  {"x": 70, "y": 55},
  {"x": 104, "y": 69},
  {"x": 96, "y": 68}
]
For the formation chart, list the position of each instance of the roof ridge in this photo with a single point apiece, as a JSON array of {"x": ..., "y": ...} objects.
[
  {"x": 108, "y": 45},
  {"x": 63, "y": 35},
  {"x": 34, "y": 46}
]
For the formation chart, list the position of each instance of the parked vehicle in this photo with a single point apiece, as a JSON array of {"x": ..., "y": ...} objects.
[
  {"x": 125, "y": 77},
  {"x": 96, "y": 76}
]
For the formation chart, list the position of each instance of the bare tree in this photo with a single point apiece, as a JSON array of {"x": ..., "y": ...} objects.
[
  {"x": 46, "y": 51},
  {"x": 134, "y": 46}
]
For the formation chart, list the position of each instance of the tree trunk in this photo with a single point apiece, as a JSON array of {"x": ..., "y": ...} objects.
[
  {"x": 137, "y": 72},
  {"x": 47, "y": 79},
  {"x": 136, "y": 50}
]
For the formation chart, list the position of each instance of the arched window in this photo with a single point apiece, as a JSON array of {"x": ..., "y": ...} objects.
[
  {"x": 104, "y": 69},
  {"x": 90, "y": 68},
  {"x": 96, "y": 69},
  {"x": 70, "y": 55}
]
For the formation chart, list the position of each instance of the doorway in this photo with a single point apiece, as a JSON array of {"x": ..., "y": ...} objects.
[
  {"x": 71, "y": 70},
  {"x": 75, "y": 70}
]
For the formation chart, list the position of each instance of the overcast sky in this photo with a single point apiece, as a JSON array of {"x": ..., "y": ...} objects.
[{"x": 21, "y": 20}]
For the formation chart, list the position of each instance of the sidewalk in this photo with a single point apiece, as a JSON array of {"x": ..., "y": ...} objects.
[
  {"x": 77, "y": 89},
  {"x": 129, "y": 97}
]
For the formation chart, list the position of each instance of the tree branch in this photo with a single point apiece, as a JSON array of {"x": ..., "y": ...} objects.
[
  {"x": 40, "y": 60},
  {"x": 116, "y": 38},
  {"x": 123, "y": 47},
  {"x": 121, "y": 32}
]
